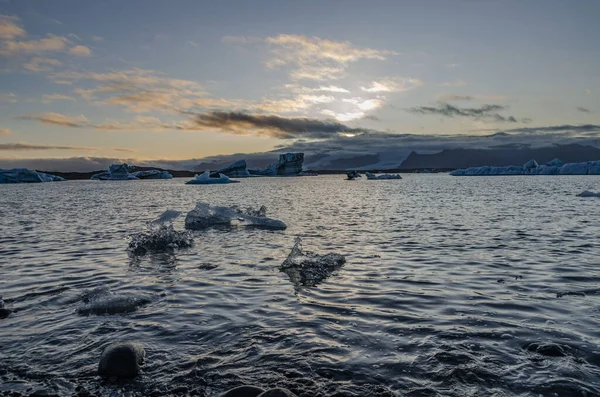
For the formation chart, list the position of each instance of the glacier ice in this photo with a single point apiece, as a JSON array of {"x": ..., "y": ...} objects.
[
  {"x": 587, "y": 193},
  {"x": 101, "y": 300},
  {"x": 206, "y": 179},
  {"x": 206, "y": 215},
  {"x": 239, "y": 169},
  {"x": 382, "y": 176},
  {"x": 289, "y": 164},
  {"x": 160, "y": 236},
  {"x": 124, "y": 172},
  {"x": 24, "y": 175},
  {"x": 305, "y": 268},
  {"x": 352, "y": 175},
  {"x": 554, "y": 167}
]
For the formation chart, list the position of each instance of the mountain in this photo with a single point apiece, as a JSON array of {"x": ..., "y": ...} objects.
[{"x": 464, "y": 158}]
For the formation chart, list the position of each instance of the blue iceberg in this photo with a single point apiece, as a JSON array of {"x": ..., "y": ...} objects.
[
  {"x": 206, "y": 179},
  {"x": 24, "y": 175},
  {"x": 124, "y": 172},
  {"x": 554, "y": 167},
  {"x": 382, "y": 176},
  {"x": 239, "y": 169},
  {"x": 289, "y": 164}
]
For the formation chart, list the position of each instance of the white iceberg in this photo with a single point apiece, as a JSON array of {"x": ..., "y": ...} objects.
[
  {"x": 206, "y": 215},
  {"x": 382, "y": 176},
  {"x": 152, "y": 174},
  {"x": 206, "y": 179},
  {"x": 554, "y": 167},
  {"x": 24, "y": 175},
  {"x": 587, "y": 193},
  {"x": 305, "y": 268}
]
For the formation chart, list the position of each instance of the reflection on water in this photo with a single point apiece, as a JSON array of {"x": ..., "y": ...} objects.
[{"x": 451, "y": 287}]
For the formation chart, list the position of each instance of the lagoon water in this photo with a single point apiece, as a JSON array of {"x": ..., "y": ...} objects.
[{"x": 451, "y": 287}]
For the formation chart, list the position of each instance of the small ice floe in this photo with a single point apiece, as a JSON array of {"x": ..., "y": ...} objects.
[
  {"x": 306, "y": 268},
  {"x": 24, "y": 175},
  {"x": 206, "y": 179},
  {"x": 101, "y": 300},
  {"x": 352, "y": 175},
  {"x": 160, "y": 236},
  {"x": 587, "y": 193},
  {"x": 206, "y": 215},
  {"x": 382, "y": 176}
]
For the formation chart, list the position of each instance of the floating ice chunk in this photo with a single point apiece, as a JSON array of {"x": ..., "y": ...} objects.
[
  {"x": 205, "y": 179},
  {"x": 24, "y": 175},
  {"x": 206, "y": 215},
  {"x": 587, "y": 193},
  {"x": 160, "y": 236},
  {"x": 353, "y": 175},
  {"x": 531, "y": 168},
  {"x": 307, "y": 268},
  {"x": 531, "y": 164},
  {"x": 103, "y": 301},
  {"x": 555, "y": 163},
  {"x": 382, "y": 176},
  {"x": 152, "y": 174}
]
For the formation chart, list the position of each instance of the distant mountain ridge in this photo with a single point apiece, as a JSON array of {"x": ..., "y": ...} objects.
[{"x": 464, "y": 158}]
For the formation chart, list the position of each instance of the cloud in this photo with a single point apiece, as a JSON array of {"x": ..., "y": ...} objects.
[
  {"x": 333, "y": 88},
  {"x": 485, "y": 112},
  {"x": 80, "y": 50},
  {"x": 454, "y": 97},
  {"x": 50, "y": 43},
  {"x": 394, "y": 84},
  {"x": 311, "y": 58},
  {"x": 57, "y": 119},
  {"x": 583, "y": 110},
  {"x": 453, "y": 65},
  {"x": 4, "y": 131},
  {"x": 588, "y": 92},
  {"x": 22, "y": 146},
  {"x": 565, "y": 129},
  {"x": 39, "y": 64},
  {"x": 9, "y": 29},
  {"x": 270, "y": 125},
  {"x": 56, "y": 97},
  {"x": 10, "y": 98},
  {"x": 456, "y": 83},
  {"x": 192, "y": 43},
  {"x": 97, "y": 38}
]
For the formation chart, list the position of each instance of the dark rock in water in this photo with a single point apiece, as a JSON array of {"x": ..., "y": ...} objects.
[
  {"x": 122, "y": 360},
  {"x": 548, "y": 349},
  {"x": 243, "y": 391},
  {"x": 5, "y": 313},
  {"x": 239, "y": 169},
  {"x": 277, "y": 393},
  {"x": 307, "y": 268}
]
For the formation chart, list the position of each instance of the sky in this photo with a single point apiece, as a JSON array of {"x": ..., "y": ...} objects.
[{"x": 173, "y": 80}]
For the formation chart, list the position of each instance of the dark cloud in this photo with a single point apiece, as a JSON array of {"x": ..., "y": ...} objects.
[
  {"x": 20, "y": 146},
  {"x": 583, "y": 110},
  {"x": 272, "y": 125},
  {"x": 564, "y": 129},
  {"x": 485, "y": 112}
]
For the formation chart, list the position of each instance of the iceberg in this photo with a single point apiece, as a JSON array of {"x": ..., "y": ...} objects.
[
  {"x": 587, "y": 193},
  {"x": 307, "y": 268},
  {"x": 206, "y": 215},
  {"x": 24, "y": 175},
  {"x": 124, "y": 172},
  {"x": 289, "y": 164},
  {"x": 101, "y": 300},
  {"x": 160, "y": 236},
  {"x": 554, "y": 167},
  {"x": 206, "y": 179},
  {"x": 152, "y": 174},
  {"x": 236, "y": 170},
  {"x": 382, "y": 176},
  {"x": 352, "y": 175}
]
